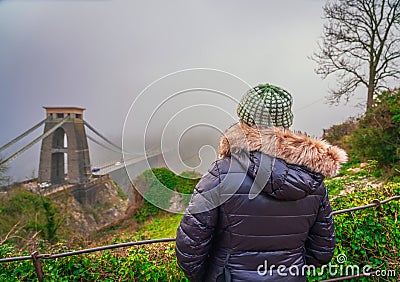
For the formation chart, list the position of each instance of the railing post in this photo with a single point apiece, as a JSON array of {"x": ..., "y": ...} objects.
[{"x": 37, "y": 265}]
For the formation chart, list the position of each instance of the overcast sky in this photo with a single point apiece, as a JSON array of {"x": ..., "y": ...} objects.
[{"x": 101, "y": 54}]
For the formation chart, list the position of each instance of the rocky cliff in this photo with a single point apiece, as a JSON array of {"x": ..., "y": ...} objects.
[{"x": 87, "y": 208}]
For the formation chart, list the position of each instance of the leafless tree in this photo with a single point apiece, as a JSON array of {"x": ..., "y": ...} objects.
[{"x": 360, "y": 45}]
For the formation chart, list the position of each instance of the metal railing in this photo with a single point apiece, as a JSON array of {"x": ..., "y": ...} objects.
[{"x": 35, "y": 256}]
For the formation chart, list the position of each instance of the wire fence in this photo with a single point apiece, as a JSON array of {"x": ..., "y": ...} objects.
[{"x": 36, "y": 257}]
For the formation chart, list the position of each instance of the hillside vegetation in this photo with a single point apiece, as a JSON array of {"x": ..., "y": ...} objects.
[
  {"x": 369, "y": 236},
  {"x": 151, "y": 183},
  {"x": 374, "y": 136},
  {"x": 27, "y": 217}
]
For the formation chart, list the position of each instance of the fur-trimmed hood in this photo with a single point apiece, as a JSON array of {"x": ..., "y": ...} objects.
[{"x": 295, "y": 148}]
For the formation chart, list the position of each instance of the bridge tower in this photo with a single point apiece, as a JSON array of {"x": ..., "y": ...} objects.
[{"x": 64, "y": 155}]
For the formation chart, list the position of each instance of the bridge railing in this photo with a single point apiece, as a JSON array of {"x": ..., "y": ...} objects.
[{"x": 36, "y": 256}]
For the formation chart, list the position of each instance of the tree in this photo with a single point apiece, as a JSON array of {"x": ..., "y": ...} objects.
[{"x": 360, "y": 45}]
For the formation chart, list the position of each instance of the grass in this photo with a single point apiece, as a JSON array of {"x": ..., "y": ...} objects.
[{"x": 163, "y": 226}]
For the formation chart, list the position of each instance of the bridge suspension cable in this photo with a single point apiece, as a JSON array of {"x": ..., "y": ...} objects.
[
  {"x": 102, "y": 145},
  {"x": 44, "y": 135},
  {"x": 33, "y": 128},
  {"x": 114, "y": 148},
  {"x": 105, "y": 139}
]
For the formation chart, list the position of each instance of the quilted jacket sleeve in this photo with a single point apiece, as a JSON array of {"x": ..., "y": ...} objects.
[
  {"x": 196, "y": 230},
  {"x": 320, "y": 243}
]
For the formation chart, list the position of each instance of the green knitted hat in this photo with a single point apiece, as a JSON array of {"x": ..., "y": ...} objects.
[{"x": 266, "y": 105}]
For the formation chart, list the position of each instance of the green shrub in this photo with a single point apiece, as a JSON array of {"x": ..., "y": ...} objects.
[
  {"x": 157, "y": 185},
  {"x": 148, "y": 210},
  {"x": 337, "y": 134},
  {"x": 374, "y": 136},
  {"x": 28, "y": 214},
  {"x": 378, "y": 135}
]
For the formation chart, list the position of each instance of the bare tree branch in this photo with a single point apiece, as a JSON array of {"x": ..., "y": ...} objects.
[{"x": 12, "y": 233}]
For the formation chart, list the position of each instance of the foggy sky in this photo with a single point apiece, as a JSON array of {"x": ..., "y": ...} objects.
[{"x": 101, "y": 54}]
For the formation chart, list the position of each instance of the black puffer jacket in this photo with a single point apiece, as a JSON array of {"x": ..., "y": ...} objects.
[{"x": 252, "y": 211}]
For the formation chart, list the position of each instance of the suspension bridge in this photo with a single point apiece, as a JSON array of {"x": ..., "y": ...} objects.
[{"x": 64, "y": 156}]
